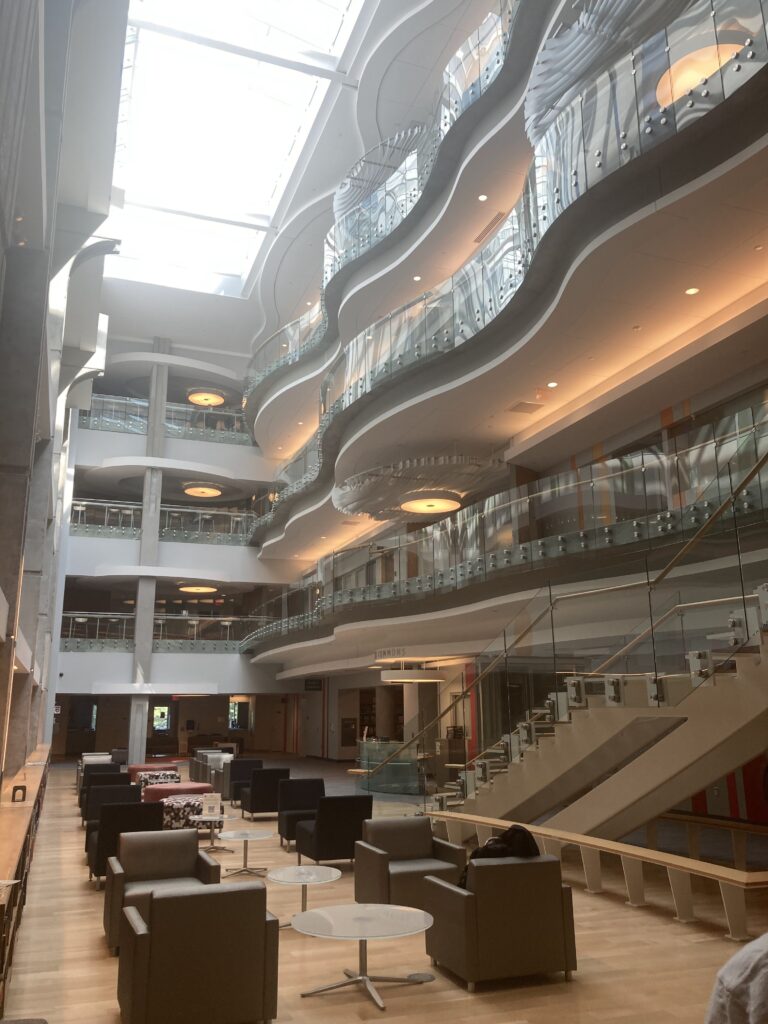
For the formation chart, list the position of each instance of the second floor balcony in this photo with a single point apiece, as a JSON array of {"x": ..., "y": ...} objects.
[
  {"x": 90, "y": 632},
  {"x": 123, "y": 519},
  {"x": 129, "y": 416}
]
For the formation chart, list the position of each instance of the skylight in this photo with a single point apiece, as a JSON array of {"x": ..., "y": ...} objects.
[{"x": 217, "y": 101}]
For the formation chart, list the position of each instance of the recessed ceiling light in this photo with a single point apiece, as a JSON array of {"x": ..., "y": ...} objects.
[
  {"x": 482, "y": 197},
  {"x": 691, "y": 291},
  {"x": 18, "y": 218},
  {"x": 309, "y": 303},
  {"x": 416, "y": 277},
  {"x": 369, "y": 337},
  {"x": 301, "y": 423},
  {"x": 759, "y": 248},
  {"x": 279, "y": 447},
  {"x": 552, "y": 384},
  {"x": 323, "y": 537},
  {"x": 430, "y": 506},
  {"x": 200, "y": 489},
  {"x": 193, "y": 588},
  {"x": 208, "y": 398}
]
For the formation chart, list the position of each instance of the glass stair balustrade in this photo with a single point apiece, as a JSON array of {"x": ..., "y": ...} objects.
[
  {"x": 638, "y": 502},
  {"x": 607, "y": 125},
  {"x": 564, "y": 653}
]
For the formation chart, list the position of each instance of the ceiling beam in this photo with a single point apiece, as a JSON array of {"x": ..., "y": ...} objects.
[{"x": 303, "y": 67}]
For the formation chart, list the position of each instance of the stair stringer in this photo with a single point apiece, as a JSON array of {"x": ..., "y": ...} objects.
[
  {"x": 726, "y": 724},
  {"x": 579, "y": 755}
]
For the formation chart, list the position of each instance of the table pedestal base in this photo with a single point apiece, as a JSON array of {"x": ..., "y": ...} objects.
[
  {"x": 245, "y": 870},
  {"x": 213, "y": 845},
  {"x": 366, "y": 980}
]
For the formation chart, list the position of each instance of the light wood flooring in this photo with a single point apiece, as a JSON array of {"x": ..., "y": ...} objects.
[{"x": 636, "y": 966}]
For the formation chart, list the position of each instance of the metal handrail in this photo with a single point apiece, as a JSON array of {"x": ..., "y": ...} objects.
[{"x": 650, "y": 584}]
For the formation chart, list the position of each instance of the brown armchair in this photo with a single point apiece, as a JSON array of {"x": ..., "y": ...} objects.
[
  {"x": 150, "y": 863},
  {"x": 395, "y": 857},
  {"x": 515, "y": 918},
  {"x": 170, "y": 971}
]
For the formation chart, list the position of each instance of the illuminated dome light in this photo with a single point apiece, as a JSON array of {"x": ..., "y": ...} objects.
[
  {"x": 429, "y": 505},
  {"x": 201, "y": 489},
  {"x": 195, "y": 588},
  {"x": 209, "y": 399},
  {"x": 690, "y": 71}
]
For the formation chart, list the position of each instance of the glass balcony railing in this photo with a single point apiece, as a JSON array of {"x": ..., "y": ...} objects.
[
  {"x": 373, "y": 208},
  {"x": 97, "y": 631},
  {"x": 668, "y": 633},
  {"x": 641, "y": 501},
  {"x": 618, "y": 118},
  {"x": 129, "y": 416},
  {"x": 177, "y": 522},
  {"x": 203, "y": 635},
  {"x": 113, "y": 631},
  {"x": 105, "y": 519},
  {"x": 204, "y": 526}
]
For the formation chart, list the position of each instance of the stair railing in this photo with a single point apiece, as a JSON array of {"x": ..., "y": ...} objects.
[{"x": 555, "y": 600}]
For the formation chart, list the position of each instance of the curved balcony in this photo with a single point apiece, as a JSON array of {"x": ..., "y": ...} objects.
[
  {"x": 129, "y": 416},
  {"x": 619, "y": 119},
  {"x": 384, "y": 187},
  {"x": 636, "y": 502}
]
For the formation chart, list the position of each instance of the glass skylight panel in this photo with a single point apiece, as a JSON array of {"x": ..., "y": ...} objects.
[
  {"x": 294, "y": 29},
  {"x": 207, "y": 137}
]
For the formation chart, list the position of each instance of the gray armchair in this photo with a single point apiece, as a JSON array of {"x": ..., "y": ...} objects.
[
  {"x": 396, "y": 855},
  {"x": 514, "y": 919},
  {"x": 152, "y": 862},
  {"x": 167, "y": 972}
]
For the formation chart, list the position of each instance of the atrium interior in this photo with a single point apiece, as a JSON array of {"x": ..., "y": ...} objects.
[{"x": 385, "y": 420}]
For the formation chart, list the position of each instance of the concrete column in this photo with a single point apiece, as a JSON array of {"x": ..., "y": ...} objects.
[
  {"x": 17, "y": 747},
  {"x": 137, "y": 730},
  {"x": 22, "y": 339},
  {"x": 150, "y": 522}
]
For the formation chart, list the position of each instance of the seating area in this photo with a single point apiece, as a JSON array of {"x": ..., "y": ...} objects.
[{"x": 161, "y": 888}]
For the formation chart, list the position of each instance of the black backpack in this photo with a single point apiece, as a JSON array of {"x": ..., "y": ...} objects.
[{"x": 516, "y": 841}]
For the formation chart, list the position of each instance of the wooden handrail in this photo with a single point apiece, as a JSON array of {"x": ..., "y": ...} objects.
[
  {"x": 734, "y": 883},
  {"x": 717, "y": 872},
  {"x": 726, "y": 824}
]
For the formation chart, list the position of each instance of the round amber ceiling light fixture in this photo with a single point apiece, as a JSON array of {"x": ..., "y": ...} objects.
[
  {"x": 690, "y": 72},
  {"x": 202, "y": 489},
  {"x": 431, "y": 505},
  {"x": 208, "y": 398},
  {"x": 195, "y": 588}
]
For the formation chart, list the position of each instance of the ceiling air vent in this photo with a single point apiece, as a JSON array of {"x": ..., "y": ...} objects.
[
  {"x": 525, "y": 408},
  {"x": 494, "y": 222}
]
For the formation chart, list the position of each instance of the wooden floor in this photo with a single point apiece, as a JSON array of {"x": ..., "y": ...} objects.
[{"x": 635, "y": 966}]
